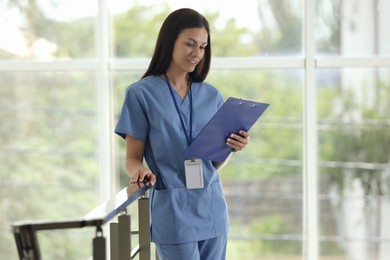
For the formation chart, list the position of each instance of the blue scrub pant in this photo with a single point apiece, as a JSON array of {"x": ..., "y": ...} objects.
[{"x": 210, "y": 249}]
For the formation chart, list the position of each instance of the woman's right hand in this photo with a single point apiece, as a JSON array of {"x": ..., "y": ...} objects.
[{"x": 143, "y": 174}]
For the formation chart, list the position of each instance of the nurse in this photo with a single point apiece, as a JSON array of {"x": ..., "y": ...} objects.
[{"x": 161, "y": 115}]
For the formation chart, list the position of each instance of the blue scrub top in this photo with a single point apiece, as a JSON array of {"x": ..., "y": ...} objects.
[{"x": 178, "y": 215}]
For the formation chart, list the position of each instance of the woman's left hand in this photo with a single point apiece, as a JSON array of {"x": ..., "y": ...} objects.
[{"x": 238, "y": 141}]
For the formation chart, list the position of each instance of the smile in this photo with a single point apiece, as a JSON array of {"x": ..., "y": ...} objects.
[{"x": 193, "y": 61}]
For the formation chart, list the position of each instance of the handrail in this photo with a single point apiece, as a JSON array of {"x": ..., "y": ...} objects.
[
  {"x": 25, "y": 231},
  {"x": 118, "y": 203}
]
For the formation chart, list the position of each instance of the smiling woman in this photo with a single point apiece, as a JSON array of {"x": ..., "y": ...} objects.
[{"x": 182, "y": 57}]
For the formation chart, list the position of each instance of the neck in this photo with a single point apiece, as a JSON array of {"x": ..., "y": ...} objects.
[{"x": 178, "y": 80}]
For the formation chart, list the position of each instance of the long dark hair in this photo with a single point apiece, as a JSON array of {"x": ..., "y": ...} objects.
[{"x": 173, "y": 25}]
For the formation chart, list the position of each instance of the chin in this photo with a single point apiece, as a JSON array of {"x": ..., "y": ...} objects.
[{"x": 191, "y": 69}]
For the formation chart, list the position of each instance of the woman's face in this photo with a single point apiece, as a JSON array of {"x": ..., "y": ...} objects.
[{"x": 189, "y": 49}]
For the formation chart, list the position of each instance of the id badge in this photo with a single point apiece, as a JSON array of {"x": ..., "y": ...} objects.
[{"x": 193, "y": 174}]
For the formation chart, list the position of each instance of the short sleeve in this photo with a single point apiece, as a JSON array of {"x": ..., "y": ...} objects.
[{"x": 133, "y": 119}]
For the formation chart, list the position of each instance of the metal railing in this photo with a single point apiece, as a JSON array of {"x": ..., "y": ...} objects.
[{"x": 25, "y": 232}]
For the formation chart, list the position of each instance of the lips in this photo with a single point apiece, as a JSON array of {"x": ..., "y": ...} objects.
[{"x": 194, "y": 62}]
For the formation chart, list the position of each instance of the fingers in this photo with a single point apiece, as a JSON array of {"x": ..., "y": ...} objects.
[
  {"x": 244, "y": 134},
  {"x": 238, "y": 141},
  {"x": 151, "y": 178},
  {"x": 143, "y": 175}
]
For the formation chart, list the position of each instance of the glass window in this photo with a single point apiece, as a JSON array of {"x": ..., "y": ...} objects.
[
  {"x": 47, "y": 30},
  {"x": 352, "y": 28},
  {"x": 354, "y": 148},
  {"x": 48, "y": 163},
  {"x": 257, "y": 28},
  {"x": 263, "y": 184}
]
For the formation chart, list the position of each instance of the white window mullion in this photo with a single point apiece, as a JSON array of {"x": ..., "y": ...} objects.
[
  {"x": 257, "y": 63},
  {"x": 310, "y": 170},
  {"x": 107, "y": 174},
  {"x": 57, "y": 65},
  {"x": 221, "y": 63},
  {"x": 353, "y": 62}
]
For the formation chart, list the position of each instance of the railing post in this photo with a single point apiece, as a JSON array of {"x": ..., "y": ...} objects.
[
  {"x": 27, "y": 243},
  {"x": 144, "y": 228},
  {"x": 124, "y": 237},
  {"x": 99, "y": 245},
  {"x": 114, "y": 243}
]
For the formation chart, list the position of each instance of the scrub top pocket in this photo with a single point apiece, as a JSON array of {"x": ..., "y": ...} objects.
[
  {"x": 170, "y": 216},
  {"x": 180, "y": 215}
]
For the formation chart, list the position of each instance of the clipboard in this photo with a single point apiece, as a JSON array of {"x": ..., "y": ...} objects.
[{"x": 234, "y": 115}]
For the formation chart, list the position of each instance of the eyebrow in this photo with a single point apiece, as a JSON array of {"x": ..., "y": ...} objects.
[{"x": 205, "y": 43}]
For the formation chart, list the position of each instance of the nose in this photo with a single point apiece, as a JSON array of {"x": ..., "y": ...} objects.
[{"x": 195, "y": 51}]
